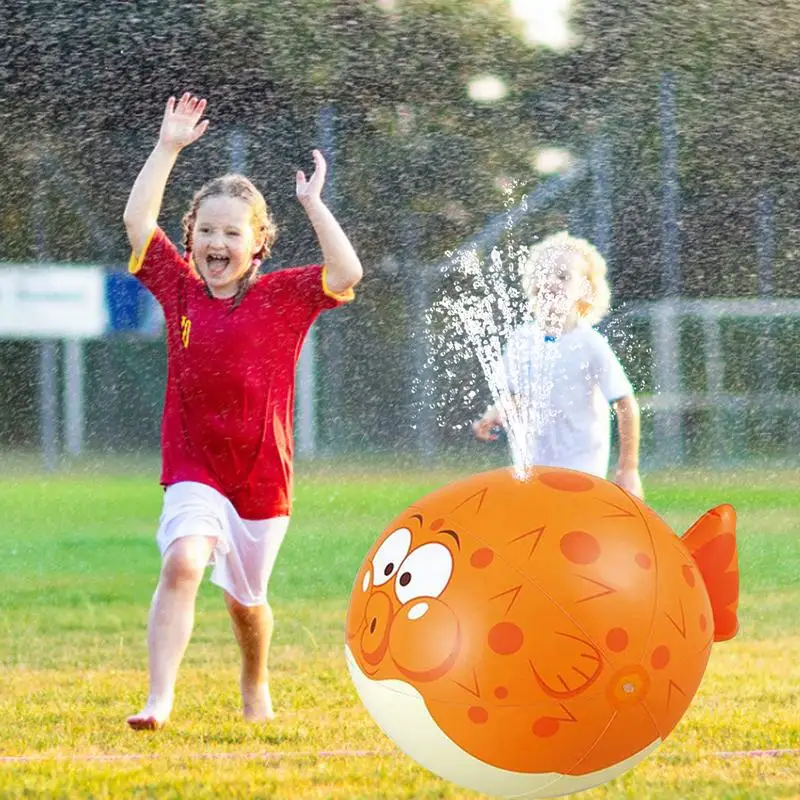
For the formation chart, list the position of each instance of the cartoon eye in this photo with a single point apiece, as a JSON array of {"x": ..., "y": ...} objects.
[
  {"x": 425, "y": 573},
  {"x": 390, "y": 555}
]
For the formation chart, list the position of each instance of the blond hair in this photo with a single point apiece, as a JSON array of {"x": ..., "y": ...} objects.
[
  {"x": 593, "y": 308},
  {"x": 238, "y": 186}
]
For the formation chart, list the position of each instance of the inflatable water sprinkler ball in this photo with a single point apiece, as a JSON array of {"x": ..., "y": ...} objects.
[{"x": 536, "y": 638}]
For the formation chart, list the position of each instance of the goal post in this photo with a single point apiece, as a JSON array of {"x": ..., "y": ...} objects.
[{"x": 669, "y": 399}]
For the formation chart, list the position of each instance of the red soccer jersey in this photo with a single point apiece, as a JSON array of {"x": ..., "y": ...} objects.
[{"x": 228, "y": 410}]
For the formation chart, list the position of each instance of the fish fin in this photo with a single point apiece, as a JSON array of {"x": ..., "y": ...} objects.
[
  {"x": 711, "y": 541},
  {"x": 566, "y": 665}
]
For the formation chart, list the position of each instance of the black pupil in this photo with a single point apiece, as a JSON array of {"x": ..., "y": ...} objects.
[
  {"x": 405, "y": 579},
  {"x": 388, "y": 569}
]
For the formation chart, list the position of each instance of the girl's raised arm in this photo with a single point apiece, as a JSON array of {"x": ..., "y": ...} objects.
[
  {"x": 344, "y": 269},
  {"x": 180, "y": 127}
]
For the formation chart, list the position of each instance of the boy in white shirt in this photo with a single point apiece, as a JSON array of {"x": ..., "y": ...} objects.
[{"x": 560, "y": 364}]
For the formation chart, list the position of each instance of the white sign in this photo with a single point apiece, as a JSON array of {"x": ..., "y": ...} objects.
[{"x": 52, "y": 302}]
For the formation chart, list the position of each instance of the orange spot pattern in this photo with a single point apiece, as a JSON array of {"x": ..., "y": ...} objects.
[
  {"x": 545, "y": 727},
  {"x": 580, "y": 547},
  {"x": 482, "y": 558},
  {"x": 567, "y": 481},
  {"x": 478, "y": 715},
  {"x": 617, "y": 639},
  {"x": 644, "y": 561},
  {"x": 660, "y": 657},
  {"x": 505, "y": 638}
]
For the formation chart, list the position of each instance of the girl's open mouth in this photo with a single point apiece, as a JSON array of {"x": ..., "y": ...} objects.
[{"x": 217, "y": 265}]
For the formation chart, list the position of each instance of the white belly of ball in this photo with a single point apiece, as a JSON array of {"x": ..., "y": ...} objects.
[{"x": 399, "y": 710}]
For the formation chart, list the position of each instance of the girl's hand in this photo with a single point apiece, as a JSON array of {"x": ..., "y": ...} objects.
[
  {"x": 631, "y": 481},
  {"x": 181, "y": 124},
  {"x": 310, "y": 191}
]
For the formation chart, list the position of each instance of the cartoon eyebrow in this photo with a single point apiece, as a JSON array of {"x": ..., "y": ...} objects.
[
  {"x": 446, "y": 530},
  {"x": 453, "y": 534}
]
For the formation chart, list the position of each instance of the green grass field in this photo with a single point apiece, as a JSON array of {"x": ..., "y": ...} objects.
[{"x": 78, "y": 568}]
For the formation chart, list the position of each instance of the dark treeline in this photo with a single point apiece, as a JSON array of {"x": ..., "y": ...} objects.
[
  {"x": 419, "y": 166},
  {"x": 84, "y": 84}
]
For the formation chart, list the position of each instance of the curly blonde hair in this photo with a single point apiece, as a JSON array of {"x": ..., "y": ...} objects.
[
  {"x": 593, "y": 309},
  {"x": 233, "y": 185}
]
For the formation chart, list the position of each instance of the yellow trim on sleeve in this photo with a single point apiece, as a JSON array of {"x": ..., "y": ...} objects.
[
  {"x": 135, "y": 264},
  {"x": 344, "y": 297}
]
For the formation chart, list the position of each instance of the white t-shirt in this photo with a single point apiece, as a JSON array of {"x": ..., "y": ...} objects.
[{"x": 568, "y": 383}]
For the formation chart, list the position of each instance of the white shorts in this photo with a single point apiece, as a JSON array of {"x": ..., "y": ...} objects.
[{"x": 244, "y": 550}]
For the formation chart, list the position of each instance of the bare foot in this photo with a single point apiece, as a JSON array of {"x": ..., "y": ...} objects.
[
  {"x": 153, "y": 717},
  {"x": 257, "y": 703}
]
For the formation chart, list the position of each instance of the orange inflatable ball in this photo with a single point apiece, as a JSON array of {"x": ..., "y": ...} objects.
[{"x": 537, "y": 638}]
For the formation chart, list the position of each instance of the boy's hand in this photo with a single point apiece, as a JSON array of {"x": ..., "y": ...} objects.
[
  {"x": 310, "y": 191},
  {"x": 484, "y": 428},
  {"x": 631, "y": 481},
  {"x": 181, "y": 124}
]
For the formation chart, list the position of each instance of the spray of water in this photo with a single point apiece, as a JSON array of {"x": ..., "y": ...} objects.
[{"x": 476, "y": 318}]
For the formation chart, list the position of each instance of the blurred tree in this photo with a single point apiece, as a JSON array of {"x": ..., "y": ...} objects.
[
  {"x": 84, "y": 84},
  {"x": 737, "y": 101}
]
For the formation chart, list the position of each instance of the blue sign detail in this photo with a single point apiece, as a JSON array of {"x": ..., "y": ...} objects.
[{"x": 126, "y": 301}]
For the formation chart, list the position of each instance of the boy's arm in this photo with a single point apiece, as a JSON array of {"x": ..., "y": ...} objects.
[
  {"x": 178, "y": 128},
  {"x": 343, "y": 268},
  {"x": 628, "y": 424}
]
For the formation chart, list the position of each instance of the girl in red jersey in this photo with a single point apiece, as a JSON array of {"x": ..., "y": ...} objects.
[{"x": 233, "y": 338}]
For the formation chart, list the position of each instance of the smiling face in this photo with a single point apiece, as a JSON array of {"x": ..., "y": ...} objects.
[
  {"x": 401, "y": 587},
  {"x": 224, "y": 243},
  {"x": 559, "y": 283}
]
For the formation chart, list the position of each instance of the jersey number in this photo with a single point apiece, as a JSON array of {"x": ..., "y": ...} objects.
[{"x": 186, "y": 327}]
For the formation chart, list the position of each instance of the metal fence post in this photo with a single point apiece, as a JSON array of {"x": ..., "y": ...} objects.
[
  {"x": 601, "y": 191},
  {"x": 766, "y": 261},
  {"x": 669, "y": 422},
  {"x": 418, "y": 280},
  {"x": 74, "y": 414},
  {"x": 668, "y": 430},
  {"x": 48, "y": 349}
]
